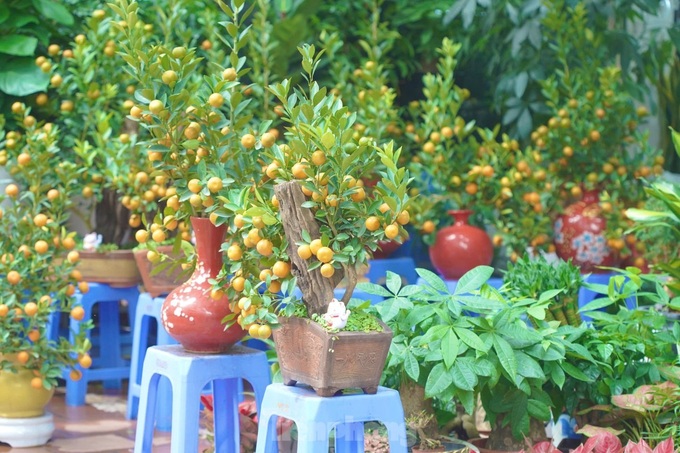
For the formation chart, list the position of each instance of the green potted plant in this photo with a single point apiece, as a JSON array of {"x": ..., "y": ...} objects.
[
  {"x": 312, "y": 223},
  {"x": 622, "y": 350},
  {"x": 38, "y": 280},
  {"x": 475, "y": 343},
  {"x": 531, "y": 277},
  {"x": 667, "y": 217},
  {"x": 204, "y": 140}
]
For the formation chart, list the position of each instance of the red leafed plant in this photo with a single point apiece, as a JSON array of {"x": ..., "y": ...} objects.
[{"x": 604, "y": 441}]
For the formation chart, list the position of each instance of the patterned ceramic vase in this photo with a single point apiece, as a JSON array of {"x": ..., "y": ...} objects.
[
  {"x": 189, "y": 314},
  {"x": 460, "y": 247},
  {"x": 579, "y": 235}
]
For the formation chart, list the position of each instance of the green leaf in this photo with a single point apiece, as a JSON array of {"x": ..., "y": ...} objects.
[
  {"x": 645, "y": 215},
  {"x": 467, "y": 399},
  {"x": 473, "y": 279},
  {"x": 433, "y": 280},
  {"x": 538, "y": 410},
  {"x": 328, "y": 140},
  {"x": 411, "y": 366},
  {"x": 574, "y": 372},
  {"x": 393, "y": 282},
  {"x": 464, "y": 375},
  {"x": 536, "y": 312},
  {"x": 471, "y": 339},
  {"x": 372, "y": 288},
  {"x": 438, "y": 381},
  {"x": 19, "y": 45},
  {"x": 548, "y": 295},
  {"x": 596, "y": 304},
  {"x": 21, "y": 77},
  {"x": 53, "y": 10},
  {"x": 449, "y": 347},
  {"x": 557, "y": 375},
  {"x": 528, "y": 367},
  {"x": 506, "y": 356},
  {"x": 4, "y": 13}
]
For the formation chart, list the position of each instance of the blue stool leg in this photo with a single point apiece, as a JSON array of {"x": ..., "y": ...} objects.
[
  {"x": 349, "y": 437},
  {"x": 140, "y": 342},
  {"x": 76, "y": 390},
  {"x": 311, "y": 438},
  {"x": 164, "y": 412},
  {"x": 185, "y": 412},
  {"x": 147, "y": 408},
  {"x": 267, "y": 441},
  {"x": 109, "y": 345},
  {"x": 226, "y": 419}
]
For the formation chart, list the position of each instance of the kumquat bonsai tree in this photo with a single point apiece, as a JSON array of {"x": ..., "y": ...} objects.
[{"x": 37, "y": 263}]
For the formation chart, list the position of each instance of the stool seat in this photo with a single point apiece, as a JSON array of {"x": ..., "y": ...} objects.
[
  {"x": 315, "y": 416},
  {"x": 109, "y": 366},
  {"x": 188, "y": 374}
]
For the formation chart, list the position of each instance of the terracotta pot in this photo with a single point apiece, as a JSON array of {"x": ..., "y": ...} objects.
[
  {"x": 460, "y": 247},
  {"x": 116, "y": 267},
  {"x": 189, "y": 314},
  {"x": 330, "y": 362},
  {"x": 429, "y": 450},
  {"x": 579, "y": 235},
  {"x": 18, "y": 399},
  {"x": 162, "y": 282},
  {"x": 385, "y": 249}
]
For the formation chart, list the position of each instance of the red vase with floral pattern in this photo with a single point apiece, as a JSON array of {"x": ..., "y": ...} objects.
[
  {"x": 189, "y": 314},
  {"x": 460, "y": 247},
  {"x": 580, "y": 235}
]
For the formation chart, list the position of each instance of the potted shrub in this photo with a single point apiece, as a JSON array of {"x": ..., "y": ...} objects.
[
  {"x": 533, "y": 277},
  {"x": 479, "y": 346},
  {"x": 622, "y": 350},
  {"x": 38, "y": 280},
  {"x": 312, "y": 222},
  {"x": 592, "y": 145},
  {"x": 667, "y": 217},
  {"x": 204, "y": 142},
  {"x": 425, "y": 443}
]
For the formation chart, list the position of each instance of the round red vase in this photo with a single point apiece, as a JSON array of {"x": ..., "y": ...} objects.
[
  {"x": 386, "y": 249},
  {"x": 189, "y": 314},
  {"x": 460, "y": 247},
  {"x": 579, "y": 235}
]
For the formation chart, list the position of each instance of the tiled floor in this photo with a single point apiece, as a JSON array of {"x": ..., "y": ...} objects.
[{"x": 99, "y": 426}]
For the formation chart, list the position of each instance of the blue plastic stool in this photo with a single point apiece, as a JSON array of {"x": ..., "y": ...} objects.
[
  {"x": 188, "y": 374},
  {"x": 587, "y": 295},
  {"x": 403, "y": 266},
  {"x": 315, "y": 416},
  {"x": 109, "y": 366},
  {"x": 148, "y": 308}
]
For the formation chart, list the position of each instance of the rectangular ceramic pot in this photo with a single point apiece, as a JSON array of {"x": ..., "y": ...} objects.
[
  {"x": 330, "y": 362},
  {"x": 116, "y": 267}
]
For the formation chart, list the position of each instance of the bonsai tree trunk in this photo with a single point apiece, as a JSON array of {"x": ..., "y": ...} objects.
[
  {"x": 501, "y": 438},
  {"x": 317, "y": 290},
  {"x": 414, "y": 402},
  {"x": 111, "y": 219}
]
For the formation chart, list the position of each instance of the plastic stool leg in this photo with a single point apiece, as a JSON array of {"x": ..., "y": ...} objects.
[
  {"x": 225, "y": 410},
  {"x": 311, "y": 440},
  {"x": 396, "y": 435},
  {"x": 76, "y": 390},
  {"x": 349, "y": 437},
  {"x": 109, "y": 347},
  {"x": 140, "y": 342},
  {"x": 267, "y": 441},
  {"x": 185, "y": 412},
  {"x": 164, "y": 407},
  {"x": 147, "y": 408}
]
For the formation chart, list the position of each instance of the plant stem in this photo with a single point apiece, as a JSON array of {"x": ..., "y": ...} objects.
[{"x": 351, "y": 274}]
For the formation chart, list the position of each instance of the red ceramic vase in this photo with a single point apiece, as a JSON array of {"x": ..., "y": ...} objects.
[
  {"x": 189, "y": 314},
  {"x": 385, "y": 249},
  {"x": 460, "y": 247},
  {"x": 579, "y": 235}
]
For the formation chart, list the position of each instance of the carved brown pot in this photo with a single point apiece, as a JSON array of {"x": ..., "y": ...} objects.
[
  {"x": 330, "y": 362},
  {"x": 115, "y": 267}
]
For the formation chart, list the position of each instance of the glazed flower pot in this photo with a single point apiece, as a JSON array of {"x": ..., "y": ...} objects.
[
  {"x": 18, "y": 399},
  {"x": 330, "y": 362},
  {"x": 189, "y": 314},
  {"x": 460, "y": 247},
  {"x": 579, "y": 235}
]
